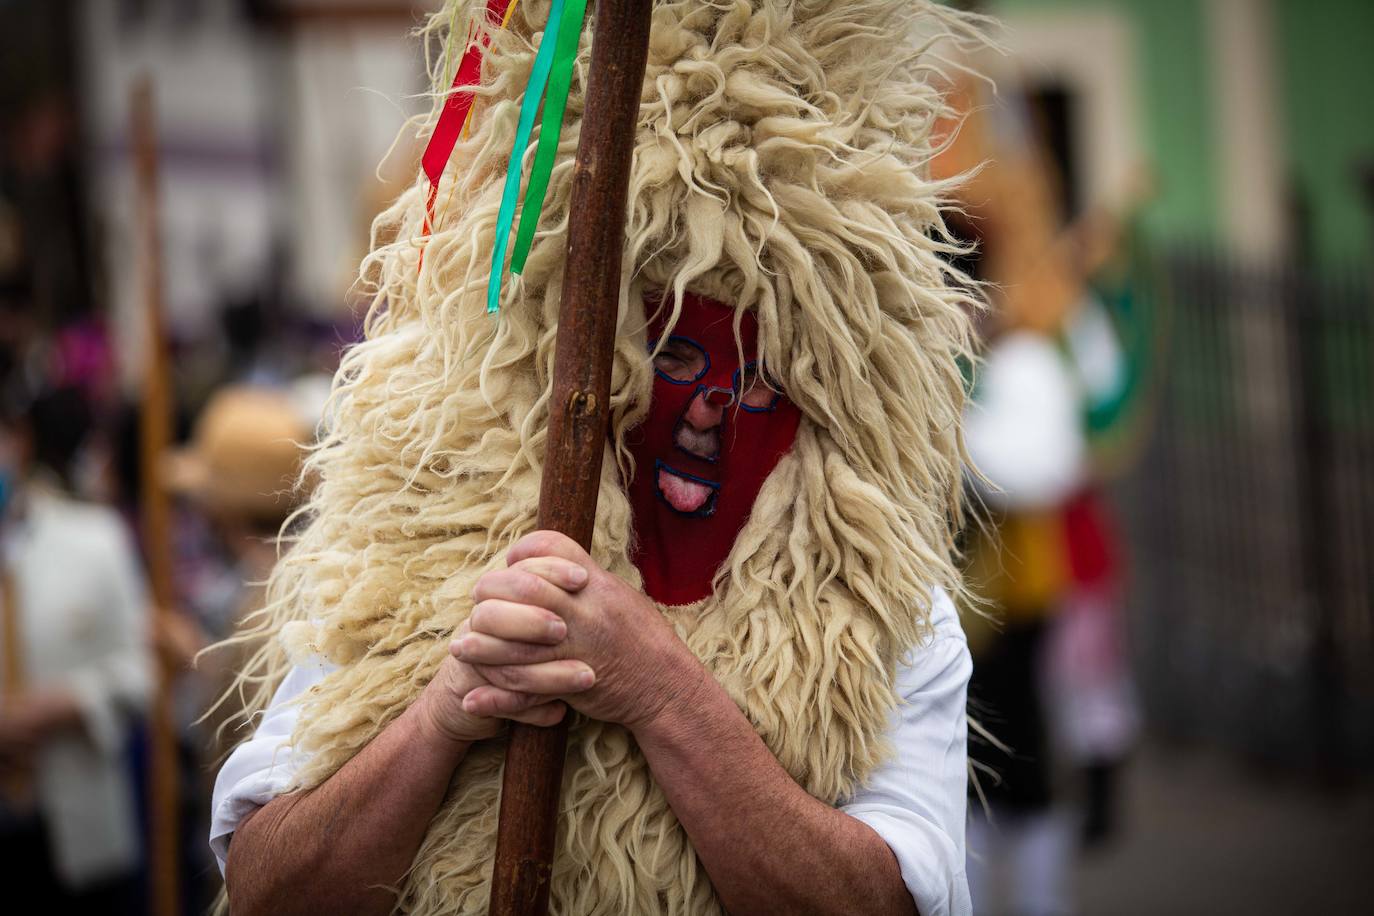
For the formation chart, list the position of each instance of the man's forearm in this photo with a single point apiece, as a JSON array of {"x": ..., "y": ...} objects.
[
  {"x": 340, "y": 847},
  {"x": 768, "y": 846}
]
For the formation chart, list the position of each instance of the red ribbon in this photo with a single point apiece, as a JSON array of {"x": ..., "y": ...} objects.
[{"x": 457, "y": 106}]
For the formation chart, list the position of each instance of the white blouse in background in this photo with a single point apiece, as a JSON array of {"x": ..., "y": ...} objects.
[{"x": 83, "y": 623}]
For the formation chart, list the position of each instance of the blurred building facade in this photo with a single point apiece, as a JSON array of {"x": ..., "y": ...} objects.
[
  {"x": 273, "y": 119},
  {"x": 1244, "y": 109}
]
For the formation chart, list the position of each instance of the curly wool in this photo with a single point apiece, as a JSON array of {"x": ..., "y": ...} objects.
[{"x": 779, "y": 166}]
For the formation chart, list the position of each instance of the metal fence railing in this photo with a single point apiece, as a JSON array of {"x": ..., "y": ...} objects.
[{"x": 1250, "y": 513}]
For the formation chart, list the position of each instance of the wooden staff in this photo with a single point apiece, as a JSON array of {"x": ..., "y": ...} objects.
[
  {"x": 578, "y": 414},
  {"x": 16, "y": 783},
  {"x": 155, "y": 427}
]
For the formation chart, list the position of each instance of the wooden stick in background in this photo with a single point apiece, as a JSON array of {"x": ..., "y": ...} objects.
[
  {"x": 16, "y": 783},
  {"x": 155, "y": 428},
  {"x": 578, "y": 415}
]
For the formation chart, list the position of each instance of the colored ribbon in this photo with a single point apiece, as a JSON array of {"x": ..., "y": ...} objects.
[
  {"x": 457, "y": 109},
  {"x": 529, "y": 107},
  {"x": 550, "y": 129}
]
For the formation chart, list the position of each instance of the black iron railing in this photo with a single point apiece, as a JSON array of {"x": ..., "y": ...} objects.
[{"x": 1250, "y": 511}]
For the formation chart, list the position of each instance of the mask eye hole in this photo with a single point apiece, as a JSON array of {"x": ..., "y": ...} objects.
[
  {"x": 756, "y": 392},
  {"x": 680, "y": 360}
]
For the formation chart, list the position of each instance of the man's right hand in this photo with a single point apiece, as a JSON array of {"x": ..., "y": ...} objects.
[{"x": 442, "y": 700}]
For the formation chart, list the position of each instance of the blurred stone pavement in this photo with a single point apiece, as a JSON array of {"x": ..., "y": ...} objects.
[{"x": 1204, "y": 834}]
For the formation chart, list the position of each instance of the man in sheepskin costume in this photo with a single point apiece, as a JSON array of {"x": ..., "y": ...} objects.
[{"x": 764, "y": 671}]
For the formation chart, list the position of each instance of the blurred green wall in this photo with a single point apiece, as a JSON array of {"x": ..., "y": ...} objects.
[
  {"x": 1324, "y": 78},
  {"x": 1171, "y": 50},
  {"x": 1326, "y": 59}
]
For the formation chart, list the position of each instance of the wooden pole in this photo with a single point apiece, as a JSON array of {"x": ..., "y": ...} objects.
[
  {"x": 578, "y": 415},
  {"x": 16, "y": 784},
  {"x": 155, "y": 427}
]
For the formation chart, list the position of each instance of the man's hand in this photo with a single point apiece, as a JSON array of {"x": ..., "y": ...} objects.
[
  {"x": 444, "y": 711},
  {"x": 30, "y": 719},
  {"x": 177, "y": 638},
  {"x": 555, "y": 624},
  {"x": 19, "y": 734}
]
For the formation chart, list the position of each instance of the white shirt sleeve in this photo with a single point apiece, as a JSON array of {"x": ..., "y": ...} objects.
[
  {"x": 262, "y": 767},
  {"x": 917, "y": 801}
]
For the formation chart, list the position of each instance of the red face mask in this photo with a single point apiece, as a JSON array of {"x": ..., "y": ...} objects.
[{"x": 714, "y": 433}]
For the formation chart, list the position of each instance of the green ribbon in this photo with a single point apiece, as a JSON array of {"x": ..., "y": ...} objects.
[
  {"x": 550, "y": 130},
  {"x": 529, "y": 107}
]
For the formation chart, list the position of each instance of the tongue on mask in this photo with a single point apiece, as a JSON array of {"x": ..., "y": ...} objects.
[{"x": 682, "y": 494}]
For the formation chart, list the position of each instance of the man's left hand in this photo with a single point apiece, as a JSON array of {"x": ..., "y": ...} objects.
[{"x": 636, "y": 663}]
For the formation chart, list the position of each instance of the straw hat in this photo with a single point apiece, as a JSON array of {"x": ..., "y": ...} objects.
[{"x": 245, "y": 454}]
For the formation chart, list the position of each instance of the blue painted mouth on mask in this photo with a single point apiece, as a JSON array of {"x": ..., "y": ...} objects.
[{"x": 707, "y": 508}]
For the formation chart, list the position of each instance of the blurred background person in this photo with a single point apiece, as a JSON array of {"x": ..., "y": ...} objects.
[
  {"x": 239, "y": 474},
  {"x": 1088, "y": 683},
  {"x": 238, "y": 478},
  {"x": 1023, "y": 434},
  {"x": 1050, "y": 682},
  {"x": 77, "y": 670}
]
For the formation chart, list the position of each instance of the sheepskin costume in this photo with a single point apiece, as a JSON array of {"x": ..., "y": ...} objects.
[{"x": 779, "y": 166}]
